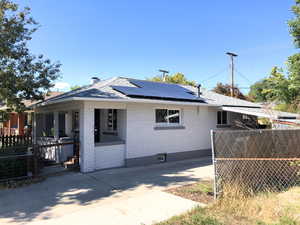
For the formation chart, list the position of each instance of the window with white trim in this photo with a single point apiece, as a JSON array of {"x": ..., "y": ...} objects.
[
  {"x": 167, "y": 116},
  {"x": 222, "y": 118}
]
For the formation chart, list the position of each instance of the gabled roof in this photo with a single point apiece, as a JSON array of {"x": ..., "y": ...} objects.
[
  {"x": 222, "y": 100},
  {"x": 133, "y": 90},
  {"x": 117, "y": 88}
]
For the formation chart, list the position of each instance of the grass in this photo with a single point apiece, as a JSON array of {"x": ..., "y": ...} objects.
[
  {"x": 200, "y": 192},
  {"x": 235, "y": 208}
]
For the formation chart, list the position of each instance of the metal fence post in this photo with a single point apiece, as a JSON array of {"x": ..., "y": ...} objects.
[{"x": 212, "y": 135}]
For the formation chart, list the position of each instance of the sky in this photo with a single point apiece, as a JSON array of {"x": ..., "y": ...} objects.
[{"x": 135, "y": 38}]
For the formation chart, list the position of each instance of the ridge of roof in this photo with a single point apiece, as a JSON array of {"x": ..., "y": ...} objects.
[{"x": 84, "y": 88}]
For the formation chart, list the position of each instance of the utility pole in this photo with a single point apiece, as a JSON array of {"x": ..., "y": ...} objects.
[
  {"x": 164, "y": 74},
  {"x": 232, "y": 55}
]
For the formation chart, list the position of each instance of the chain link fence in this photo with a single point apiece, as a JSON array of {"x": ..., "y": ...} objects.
[{"x": 256, "y": 160}]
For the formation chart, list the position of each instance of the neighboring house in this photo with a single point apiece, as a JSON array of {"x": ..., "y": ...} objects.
[
  {"x": 20, "y": 123},
  {"x": 128, "y": 122}
]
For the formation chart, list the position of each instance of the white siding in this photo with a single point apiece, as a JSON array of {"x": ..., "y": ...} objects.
[
  {"x": 109, "y": 156},
  {"x": 144, "y": 140}
]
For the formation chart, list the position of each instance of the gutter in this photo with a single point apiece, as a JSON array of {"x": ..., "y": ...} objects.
[{"x": 124, "y": 101}]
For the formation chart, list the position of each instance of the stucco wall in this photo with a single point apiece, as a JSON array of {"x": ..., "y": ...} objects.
[{"x": 143, "y": 140}]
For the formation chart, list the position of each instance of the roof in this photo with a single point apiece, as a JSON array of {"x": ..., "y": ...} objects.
[
  {"x": 29, "y": 103},
  {"x": 117, "y": 88},
  {"x": 122, "y": 88},
  {"x": 262, "y": 112}
]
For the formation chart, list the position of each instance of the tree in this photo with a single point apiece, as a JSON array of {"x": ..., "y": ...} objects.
[
  {"x": 294, "y": 24},
  {"x": 23, "y": 76},
  {"x": 74, "y": 87},
  {"x": 177, "y": 78},
  {"x": 225, "y": 89},
  {"x": 257, "y": 93},
  {"x": 278, "y": 87}
]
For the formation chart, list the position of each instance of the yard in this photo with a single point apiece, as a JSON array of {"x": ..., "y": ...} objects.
[{"x": 263, "y": 209}]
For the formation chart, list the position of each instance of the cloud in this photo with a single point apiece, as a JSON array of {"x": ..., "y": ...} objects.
[{"x": 61, "y": 86}]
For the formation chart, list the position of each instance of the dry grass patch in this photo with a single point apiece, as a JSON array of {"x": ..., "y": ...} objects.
[
  {"x": 237, "y": 208},
  {"x": 199, "y": 192}
]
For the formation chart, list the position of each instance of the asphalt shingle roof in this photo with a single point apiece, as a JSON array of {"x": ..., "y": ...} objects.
[{"x": 106, "y": 90}]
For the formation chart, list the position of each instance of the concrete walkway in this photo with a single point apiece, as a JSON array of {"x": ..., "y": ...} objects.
[{"x": 124, "y": 196}]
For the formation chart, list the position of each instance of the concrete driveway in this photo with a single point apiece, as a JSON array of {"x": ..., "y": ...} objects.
[{"x": 109, "y": 197}]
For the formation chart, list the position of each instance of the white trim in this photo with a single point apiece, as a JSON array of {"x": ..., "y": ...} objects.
[
  {"x": 129, "y": 100},
  {"x": 167, "y": 124}
]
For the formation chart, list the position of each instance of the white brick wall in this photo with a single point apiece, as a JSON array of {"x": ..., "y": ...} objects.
[{"x": 143, "y": 140}]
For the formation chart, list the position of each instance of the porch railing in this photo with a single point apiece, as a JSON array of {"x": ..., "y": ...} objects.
[
  {"x": 14, "y": 142},
  {"x": 5, "y": 131},
  {"x": 25, "y": 161}
]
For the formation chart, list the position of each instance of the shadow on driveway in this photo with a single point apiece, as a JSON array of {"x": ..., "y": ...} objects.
[{"x": 64, "y": 194}]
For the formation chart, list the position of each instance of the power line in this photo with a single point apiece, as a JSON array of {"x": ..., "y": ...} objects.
[
  {"x": 215, "y": 75},
  {"x": 243, "y": 76}
]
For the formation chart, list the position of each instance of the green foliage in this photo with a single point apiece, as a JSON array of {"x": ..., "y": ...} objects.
[
  {"x": 74, "y": 87},
  {"x": 23, "y": 76},
  {"x": 177, "y": 78},
  {"x": 282, "y": 221},
  {"x": 195, "y": 217},
  {"x": 294, "y": 24},
  {"x": 279, "y": 87},
  {"x": 225, "y": 89},
  {"x": 256, "y": 91},
  {"x": 199, "y": 188}
]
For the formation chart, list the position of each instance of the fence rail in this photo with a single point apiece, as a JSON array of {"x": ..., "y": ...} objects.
[
  {"x": 5, "y": 131},
  {"x": 256, "y": 160},
  {"x": 23, "y": 161},
  {"x": 13, "y": 141}
]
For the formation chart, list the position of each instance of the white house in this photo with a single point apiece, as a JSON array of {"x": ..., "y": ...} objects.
[{"x": 129, "y": 122}]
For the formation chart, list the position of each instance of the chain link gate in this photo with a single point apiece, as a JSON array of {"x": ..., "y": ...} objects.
[{"x": 256, "y": 160}]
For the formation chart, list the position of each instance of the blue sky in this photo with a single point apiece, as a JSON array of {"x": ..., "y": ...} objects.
[{"x": 136, "y": 38}]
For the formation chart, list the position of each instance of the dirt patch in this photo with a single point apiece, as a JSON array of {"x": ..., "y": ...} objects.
[{"x": 199, "y": 192}]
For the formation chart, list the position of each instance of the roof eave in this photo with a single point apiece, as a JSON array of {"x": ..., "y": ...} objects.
[{"x": 125, "y": 100}]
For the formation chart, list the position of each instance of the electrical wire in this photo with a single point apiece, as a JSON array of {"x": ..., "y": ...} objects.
[{"x": 215, "y": 75}]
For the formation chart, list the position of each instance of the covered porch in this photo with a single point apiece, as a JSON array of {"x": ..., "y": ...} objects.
[{"x": 100, "y": 127}]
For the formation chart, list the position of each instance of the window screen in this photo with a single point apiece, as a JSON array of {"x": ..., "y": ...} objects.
[
  {"x": 173, "y": 116},
  {"x": 161, "y": 115},
  {"x": 167, "y": 116}
]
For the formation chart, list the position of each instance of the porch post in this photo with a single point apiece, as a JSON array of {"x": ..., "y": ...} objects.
[
  {"x": 69, "y": 123},
  {"x": 56, "y": 125},
  {"x": 34, "y": 127},
  {"x": 87, "y": 145}
]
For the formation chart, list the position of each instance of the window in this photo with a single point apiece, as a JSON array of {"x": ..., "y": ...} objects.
[
  {"x": 112, "y": 120},
  {"x": 222, "y": 118},
  {"x": 167, "y": 116},
  {"x": 246, "y": 118}
]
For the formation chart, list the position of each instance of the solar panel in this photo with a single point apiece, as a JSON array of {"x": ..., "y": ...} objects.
[{"x": 158, "y": 90}]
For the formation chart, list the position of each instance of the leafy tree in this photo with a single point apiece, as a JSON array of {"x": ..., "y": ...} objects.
[
  {"x": 257, "y": 93},
  {"x": 177, "y": 78},
  {"x": 278, "y": 87},
  {"x": 74, "y": 87},
  {"x": 23, "y": 76},
  {"x": 294, "y": 24},
  {"x": 225, "y": 89}
]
